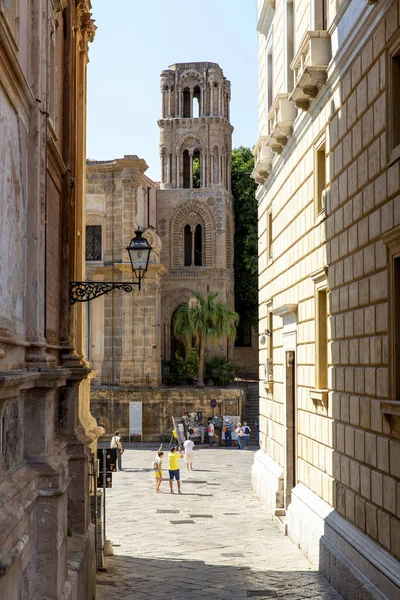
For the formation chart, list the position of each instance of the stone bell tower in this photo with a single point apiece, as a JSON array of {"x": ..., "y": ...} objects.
[{"x": 194, "y": 203}]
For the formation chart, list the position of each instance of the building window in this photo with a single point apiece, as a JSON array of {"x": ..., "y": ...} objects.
[
  {"x": 321, "y": 13},
  {"x": 269, "y": 365},
  {"x": 269, "y": 236},
  {"x": 193, "y": 246},
  {"x": 320, "y": 177},
  {"x": 243, "y": 334},
  {"x": 394, "y": 113},
  {"x": 396, "y": 329},
  {"x": 289, "y": 45},
  {"x": 321, "y": 350},
  {"x": 93, "y": 242}
]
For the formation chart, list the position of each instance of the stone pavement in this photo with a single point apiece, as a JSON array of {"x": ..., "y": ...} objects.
[{"x": 214, "y": 541}]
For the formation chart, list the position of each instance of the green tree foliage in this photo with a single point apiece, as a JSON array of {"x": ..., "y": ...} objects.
[
  {"x": 207, "y": 320},
  {"x": 196, "y": 173},
  {"x": 246, "y": 235}
]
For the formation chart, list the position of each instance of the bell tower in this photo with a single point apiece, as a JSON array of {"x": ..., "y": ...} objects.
[{"x": 194, "y": 203}]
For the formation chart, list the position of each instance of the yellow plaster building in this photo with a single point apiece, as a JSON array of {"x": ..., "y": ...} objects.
[{"x": 329, "y": 277}]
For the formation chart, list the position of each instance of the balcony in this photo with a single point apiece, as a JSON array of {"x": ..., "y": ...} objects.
[
  {"x": 281, "y": 118},
  {"x": 310, "y": 65},
  {"x": 263, "y": 157}
]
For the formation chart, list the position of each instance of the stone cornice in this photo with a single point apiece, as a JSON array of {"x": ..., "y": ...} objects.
[{"x": 134, "y": 163}]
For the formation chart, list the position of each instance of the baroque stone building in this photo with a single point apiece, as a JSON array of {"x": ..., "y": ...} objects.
[
  {"x": 46, "y": 430},
  {"x": 329, "y": 229},
  {"x": 123, "y": 336}
]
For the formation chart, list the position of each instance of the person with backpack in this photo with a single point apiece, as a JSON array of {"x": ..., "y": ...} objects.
[
  {"x": 116, "y": 442},
  {"x": 173, "y": 464},
  {"x": 239, "y": 434},
  {"x": 246, "y": 434},
  {"x": 157, "y": 468}
]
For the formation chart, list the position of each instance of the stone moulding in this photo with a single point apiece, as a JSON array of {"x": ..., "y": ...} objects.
[
  {"x": 266, "y": 16},
  {"x": 310, "y": 67},
  {"x": 281, "y": 118},
  {"x": 320, "y": 399},
  {"x": 7, "y": 563},
  {"x": 390, "y": 409},
  {"x": 263, "y": 157}
]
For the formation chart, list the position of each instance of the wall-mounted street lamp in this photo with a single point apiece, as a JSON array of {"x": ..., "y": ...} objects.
[{"x": 139, "y": 253}]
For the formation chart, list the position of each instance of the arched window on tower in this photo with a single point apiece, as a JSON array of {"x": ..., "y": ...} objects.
[
  {"x": 198, "y": 246},
  {"x": 187, "y": 246},
  {"x": 196, "y": 169},
  {"x": 186, "y": 169},
  {"x": 193, "y": 246},
  {"x": 196, "y": 102},
  {"x": 186, "y": 102}
]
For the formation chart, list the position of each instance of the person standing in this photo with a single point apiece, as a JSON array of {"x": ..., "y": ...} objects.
[
  {"x": 257, "y": 428},
  {"x": 116, "y": 442},
  {"x": 210, "y": 431},
  {"x": 228, "y": 434},
  {"x": 246, "y": 434},
  {"x": 239, "y": 433},
  {"x": 157, "y": 466},
  {"x": 173, "y": 464},
  {"x": 188, "y": 446}
]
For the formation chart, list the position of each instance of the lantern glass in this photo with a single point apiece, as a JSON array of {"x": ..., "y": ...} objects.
[{"x": 139, "y": 253}]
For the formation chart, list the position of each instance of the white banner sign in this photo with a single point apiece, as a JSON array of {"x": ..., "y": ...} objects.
[{"x": 135, "y": 418}]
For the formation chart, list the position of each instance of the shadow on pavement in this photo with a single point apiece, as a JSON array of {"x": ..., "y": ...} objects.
[{"x": 130, "y": 578}]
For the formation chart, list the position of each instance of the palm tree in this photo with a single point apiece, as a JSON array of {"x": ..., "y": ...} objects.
[{"x": 206, "y": 320}]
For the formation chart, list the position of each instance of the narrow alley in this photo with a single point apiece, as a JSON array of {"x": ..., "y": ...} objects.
[{"x": 214, "y": 541}]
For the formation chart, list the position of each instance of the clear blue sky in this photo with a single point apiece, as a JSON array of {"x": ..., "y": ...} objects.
[{"x": 136, "y": 40}]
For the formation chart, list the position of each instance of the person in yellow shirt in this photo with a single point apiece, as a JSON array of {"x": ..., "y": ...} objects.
[{"x": 173, "y": 464}]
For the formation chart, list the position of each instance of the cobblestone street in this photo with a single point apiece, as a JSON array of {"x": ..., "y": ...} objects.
[{"x": 214, "y": 541}]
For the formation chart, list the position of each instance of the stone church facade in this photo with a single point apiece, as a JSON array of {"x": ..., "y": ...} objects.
[
  {"x": 327, "y": 165},
  {"x": 188, "y": 220},
  {"x": 47, "y": 434}
]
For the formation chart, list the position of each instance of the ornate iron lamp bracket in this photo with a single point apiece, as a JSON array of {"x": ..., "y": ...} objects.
[{"x": 84, "y": 291}]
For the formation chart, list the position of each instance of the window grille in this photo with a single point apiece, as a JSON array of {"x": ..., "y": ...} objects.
[{"x": 93, "y": 242}]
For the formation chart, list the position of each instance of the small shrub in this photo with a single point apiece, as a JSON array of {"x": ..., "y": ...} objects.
[{"x": 220, "y": 370}]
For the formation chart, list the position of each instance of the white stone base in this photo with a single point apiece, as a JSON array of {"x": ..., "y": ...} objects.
[
  {"x": 356, "y": 566},
  {"x": 267, "y": 481}
]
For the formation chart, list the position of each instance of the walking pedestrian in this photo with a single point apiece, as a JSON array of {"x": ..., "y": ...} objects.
[
  {"x": 116, "y": 442},
  {"x": 173, "y": 464},
  {"x": 257, "y": 428},
  {"x": 228, "y": 434},
  {"x": 246, "y": 434},
  {"x": 210, "y": 432},
  {"x": 188, "y": 446},
  {"x": 157, "y": 467},
  {"x": 239, "y": 434}
]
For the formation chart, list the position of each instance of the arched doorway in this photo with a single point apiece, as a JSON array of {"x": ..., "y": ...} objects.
[{"x": 177, "y": 346}]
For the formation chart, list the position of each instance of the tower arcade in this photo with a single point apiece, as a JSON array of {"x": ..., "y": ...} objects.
[{"x": 194, "y": 204}]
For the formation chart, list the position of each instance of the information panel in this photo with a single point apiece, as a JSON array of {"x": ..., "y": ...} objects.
[{"x": 135, "y": 418}]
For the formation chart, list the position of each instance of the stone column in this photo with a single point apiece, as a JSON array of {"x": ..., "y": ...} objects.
[
  {"x": 191, "y": 104},
  {"x": 168, "y": 157},
  {"x": 163, "y": 102},
  {"x": 212, "y": 168},
  {"x": 178, "y": 178},
  {"x": 203, "y": 169},
  {"x": 169, "y": 102},
  {"x": 162, "y": 161},
  {"x": 201, "y": 111},
  {"x": 219, "y": 100},
  {"x": 211, "y": 100}
]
